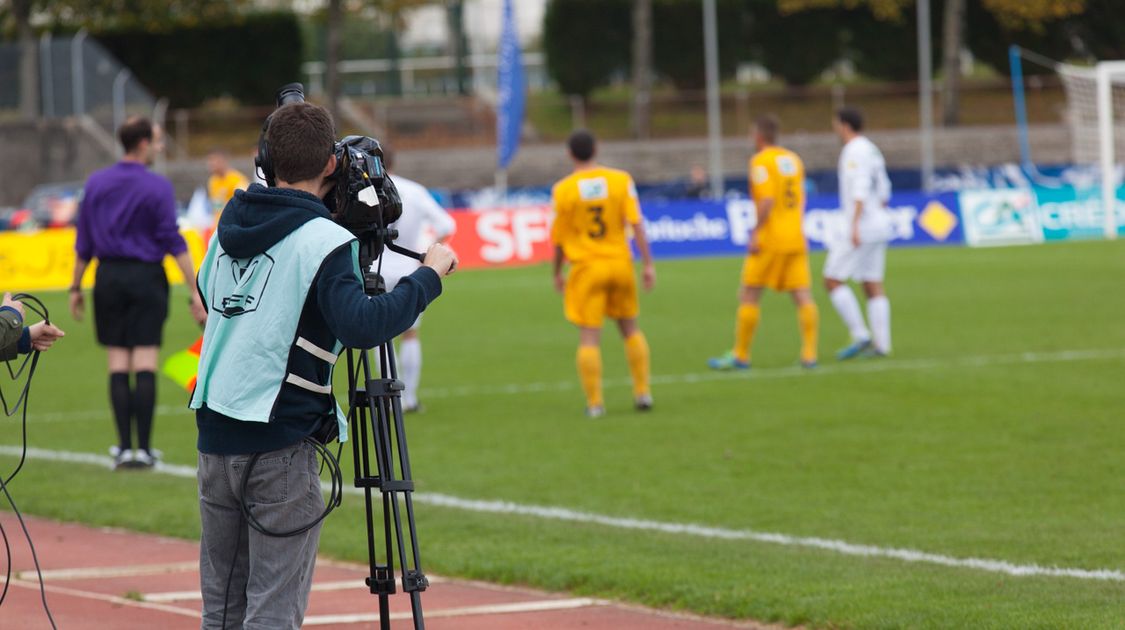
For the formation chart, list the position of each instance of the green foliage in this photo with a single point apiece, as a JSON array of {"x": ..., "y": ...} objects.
[
  {"x": 886, "y": 47},
  {"x": 245, "y": 57},
  {"x": 1101, "y": 29},
  {"x": 585, "y": 42},
  {"x": 796, "y": 47},
  {"x": 677, "y": 33},
  {"x": 138, "y": 14},
  {"x": 989, "y": 38}
]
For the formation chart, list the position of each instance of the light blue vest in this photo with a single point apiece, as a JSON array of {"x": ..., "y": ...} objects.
[{"x": 254, "y": 308}]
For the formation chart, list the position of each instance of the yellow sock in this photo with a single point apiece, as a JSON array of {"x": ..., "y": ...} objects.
[
  {"x": 748, "y": 315},
  {"x": 636, "y": 353},
  {"x": 807, "y": 319},
  {"x": 590, "y": 373}
]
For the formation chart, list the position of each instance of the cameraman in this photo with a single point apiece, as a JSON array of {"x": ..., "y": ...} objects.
[
  {"x": 15, "y": 338},
  {"x": 283, "y": 292}
]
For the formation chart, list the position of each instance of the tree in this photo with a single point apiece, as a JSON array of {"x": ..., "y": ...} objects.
[
  {"x": 642, "y": 68},
  {"x": 586, "y": 42},
  {"x": 332, "y": 57},
  {"x": 678, "y": 40},
  {"x": 1012, "y": 15},
  {"x": 29, "y": 60},
  {"x": 797, "y": 60},
  {"x": 952, "y": 39}
]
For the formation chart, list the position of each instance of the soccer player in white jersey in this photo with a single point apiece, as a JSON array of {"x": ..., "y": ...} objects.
[
  {"x": 423, "y": 220},
  {"x": 857, "y": 248}
]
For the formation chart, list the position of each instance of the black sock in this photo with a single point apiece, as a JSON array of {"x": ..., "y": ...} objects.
[
  {"x": 144, "y": 402},
  {"x": 119, "y": 398}
]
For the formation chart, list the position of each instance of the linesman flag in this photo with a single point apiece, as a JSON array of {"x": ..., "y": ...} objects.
[
  {"x": 511, "y": 90},
  {"x": 183, "y": 366}
]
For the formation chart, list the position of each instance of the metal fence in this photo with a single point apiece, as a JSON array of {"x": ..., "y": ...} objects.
[
  {"x": 77, "y": 78},
  {"x": 421, "y": 76}
]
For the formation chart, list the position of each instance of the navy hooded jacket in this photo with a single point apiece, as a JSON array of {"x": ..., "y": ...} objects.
[{"x": 336, "y": 309}]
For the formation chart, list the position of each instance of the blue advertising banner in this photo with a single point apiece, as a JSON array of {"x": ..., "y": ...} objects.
[
  {"x": 1042, "y": 213},
  {"x": 712, "y": 228}
]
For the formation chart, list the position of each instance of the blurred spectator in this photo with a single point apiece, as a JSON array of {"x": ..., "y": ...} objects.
[
  {"x": 223, "y": 181},
  {"x": 127, "y": 221},
  {"x": 697, "y": 186}
]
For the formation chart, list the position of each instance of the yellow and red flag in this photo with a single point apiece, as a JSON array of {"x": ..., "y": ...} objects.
[{"x": 183, "y": 366}]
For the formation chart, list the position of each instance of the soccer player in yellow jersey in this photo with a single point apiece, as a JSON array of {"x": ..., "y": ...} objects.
[
  {"x": 778, "y": 257},
  {"x": 223, "y": 180},
  {"x": 595, "y": 208}
]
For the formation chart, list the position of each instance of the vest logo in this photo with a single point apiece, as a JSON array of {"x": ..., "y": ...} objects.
[{"x": 240, "y": 284}]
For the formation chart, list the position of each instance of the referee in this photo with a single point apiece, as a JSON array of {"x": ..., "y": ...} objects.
[{"x": 127, "y": 221}]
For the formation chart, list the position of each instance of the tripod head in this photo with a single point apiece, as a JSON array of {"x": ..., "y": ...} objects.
[{"x": 372, "y": 245}]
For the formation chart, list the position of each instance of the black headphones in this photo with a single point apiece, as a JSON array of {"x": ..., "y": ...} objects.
[{"x": 262, "y": 161}]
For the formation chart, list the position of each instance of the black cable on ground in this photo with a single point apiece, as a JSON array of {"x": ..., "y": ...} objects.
[{"x": 29, "y": 364}]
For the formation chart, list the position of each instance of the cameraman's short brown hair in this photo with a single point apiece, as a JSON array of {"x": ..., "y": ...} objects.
[
  {"x": 133, "y": 131},
  {"x": 301, "y": 139}
]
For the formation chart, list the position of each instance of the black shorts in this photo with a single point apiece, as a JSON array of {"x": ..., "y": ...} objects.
[{"x": 130, "y": 303}]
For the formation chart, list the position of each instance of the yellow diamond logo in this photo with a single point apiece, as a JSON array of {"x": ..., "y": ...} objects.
[{"x": 937, "y": 220}]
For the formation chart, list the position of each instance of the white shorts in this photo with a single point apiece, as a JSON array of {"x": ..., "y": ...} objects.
[{"x": 866, "y": 263}]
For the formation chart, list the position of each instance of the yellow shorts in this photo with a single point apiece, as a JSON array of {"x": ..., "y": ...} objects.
[
  {"x": 780, "y": 271},
  {"x": 600, "y": 288}
]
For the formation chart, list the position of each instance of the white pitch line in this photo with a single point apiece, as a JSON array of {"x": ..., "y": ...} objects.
[
  {"x": 679, "y": 529},
  {"x": 317, "y": 587},
  {"x": 492, "y": 609},
  {"x": 85, "y": 573},
  {"x": 855, "y": 367},
  {"x": 111, "y": 599}
]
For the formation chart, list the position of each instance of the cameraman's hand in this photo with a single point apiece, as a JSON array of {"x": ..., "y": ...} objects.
[
  {"x": 44, "y": 335},
  {"x": 8, "y": 301},
  {"x": 441, "y": 259}
]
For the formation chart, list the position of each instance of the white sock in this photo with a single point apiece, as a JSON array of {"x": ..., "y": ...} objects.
[
  {"x": 879, "y": 314},
  {"x": 410, "y": 369},
  {"x": 848, "y": 307}
]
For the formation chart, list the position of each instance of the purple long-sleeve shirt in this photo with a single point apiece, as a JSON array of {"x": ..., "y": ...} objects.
[{"x": 128, "y": 212}]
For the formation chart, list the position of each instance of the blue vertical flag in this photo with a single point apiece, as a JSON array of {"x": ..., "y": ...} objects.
[{"x": 511, "y": 88}]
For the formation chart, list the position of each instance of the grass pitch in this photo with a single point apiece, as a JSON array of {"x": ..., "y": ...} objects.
[{"x": 962, "y": 444}]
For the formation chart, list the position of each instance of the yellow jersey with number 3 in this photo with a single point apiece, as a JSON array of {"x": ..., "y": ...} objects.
[
  {"x": 778, "y": 174},
  {"x": 593, "y": 208}
]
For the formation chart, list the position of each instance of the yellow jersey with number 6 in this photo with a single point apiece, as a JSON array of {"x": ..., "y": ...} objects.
[
  {"x": 592, "y": 209},
  {"x": 778, "y": 174}
]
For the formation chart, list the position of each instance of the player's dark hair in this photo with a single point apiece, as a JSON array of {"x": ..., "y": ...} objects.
[
  {"x": 769, "y": 127},
  {"x": 851, "y": 117},
  {"x": 133, "y": 131},
  {"x": 581, "y": 145},
  {"x": 301, "y": 139}
]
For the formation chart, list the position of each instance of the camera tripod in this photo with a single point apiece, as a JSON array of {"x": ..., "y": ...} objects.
[{"x": 375, "y": 420}]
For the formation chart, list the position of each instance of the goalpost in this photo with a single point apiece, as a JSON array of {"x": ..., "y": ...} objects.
[{"x": 1095, "y": 114}]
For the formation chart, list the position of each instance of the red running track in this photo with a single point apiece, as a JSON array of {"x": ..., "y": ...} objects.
[{"x": 106, "y": 578}]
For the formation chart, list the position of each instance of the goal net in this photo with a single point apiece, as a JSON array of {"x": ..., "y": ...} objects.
[{"x": 1095, "y": 113}]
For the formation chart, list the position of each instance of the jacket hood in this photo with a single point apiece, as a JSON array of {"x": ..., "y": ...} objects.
[{"x": 255, "y": 219}]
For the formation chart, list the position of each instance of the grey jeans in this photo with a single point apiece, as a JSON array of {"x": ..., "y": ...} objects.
[{"x": 269, "y": 577}]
